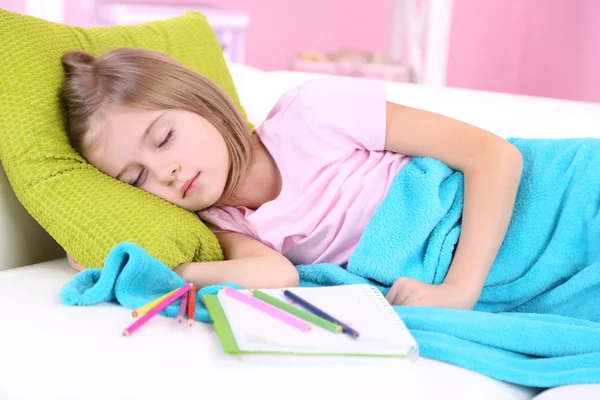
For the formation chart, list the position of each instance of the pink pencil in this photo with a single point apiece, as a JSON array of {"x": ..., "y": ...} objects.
[
  {"x": 268, "y": 309},
  {"x": 183, "y": 307},
  {"x": 158, "y": 308}
]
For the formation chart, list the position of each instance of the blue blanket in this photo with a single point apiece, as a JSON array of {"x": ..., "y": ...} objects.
[{"x": 537, "y": 322}]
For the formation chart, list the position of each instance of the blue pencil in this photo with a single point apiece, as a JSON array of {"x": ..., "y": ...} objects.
[{"x": 294, "y": 297}]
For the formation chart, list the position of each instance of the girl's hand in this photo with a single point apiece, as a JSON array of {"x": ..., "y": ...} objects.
[
  {"x": 74, "y": 264},
  {"x": 410, "y": 292}
]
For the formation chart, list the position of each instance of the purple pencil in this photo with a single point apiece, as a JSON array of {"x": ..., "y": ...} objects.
[{"x": 182, "y": 307}]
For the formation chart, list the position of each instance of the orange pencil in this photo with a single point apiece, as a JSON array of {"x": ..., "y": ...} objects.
[{"x": 191, "y": 309}]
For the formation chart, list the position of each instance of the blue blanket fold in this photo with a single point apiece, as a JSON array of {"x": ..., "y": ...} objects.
[
  {"x": 131, "y": 278},
  {"x": 537, "y": 322}
]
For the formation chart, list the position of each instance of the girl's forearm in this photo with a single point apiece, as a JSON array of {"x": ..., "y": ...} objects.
[
  {"x": 491, "y": 186},
  {"x": 252, "y": 272}
]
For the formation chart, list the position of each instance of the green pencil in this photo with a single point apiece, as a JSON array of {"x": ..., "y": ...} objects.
[{"x": 305, "y": 315}]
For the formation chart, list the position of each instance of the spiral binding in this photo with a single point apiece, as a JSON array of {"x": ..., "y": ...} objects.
[
  {"x": 384, "y": 306},
  {"x": 414, "y": 350}
]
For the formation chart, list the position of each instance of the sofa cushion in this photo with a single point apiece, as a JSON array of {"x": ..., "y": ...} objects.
[
  {"x": 84, "y": 210},
  {"x": 80, "y": 353}
]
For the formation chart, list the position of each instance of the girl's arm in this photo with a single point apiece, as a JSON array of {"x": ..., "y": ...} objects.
[
  {"x": 248, "y": 263},
  {"x": 492, "y": 170}
]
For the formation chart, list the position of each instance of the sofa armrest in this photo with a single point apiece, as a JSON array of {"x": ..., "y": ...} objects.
[{"x": 22, "y": 240}]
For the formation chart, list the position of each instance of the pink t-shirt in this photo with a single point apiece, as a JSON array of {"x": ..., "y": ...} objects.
[{"x": 327, "y": 137}]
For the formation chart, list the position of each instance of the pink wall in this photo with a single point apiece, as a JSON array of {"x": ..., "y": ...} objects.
[
  {"x": 13, "y": 5},
  {"x": 280, "y": 29},
  {"x": 535, "y": 47}
]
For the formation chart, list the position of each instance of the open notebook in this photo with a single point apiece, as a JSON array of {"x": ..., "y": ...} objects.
[{"x": 243, "y": 329}]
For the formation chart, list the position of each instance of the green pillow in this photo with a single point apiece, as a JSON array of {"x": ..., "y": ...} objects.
[{"x": 86, "y": 211}]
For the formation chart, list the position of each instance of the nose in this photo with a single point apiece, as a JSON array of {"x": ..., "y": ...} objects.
[{"x": 169, "y": 173}]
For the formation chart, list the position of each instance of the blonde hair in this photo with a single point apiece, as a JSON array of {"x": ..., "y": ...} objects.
[{"x": 150, "y": 80}]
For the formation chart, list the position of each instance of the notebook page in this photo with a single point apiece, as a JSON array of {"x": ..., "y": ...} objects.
[{"x": 362, "y": 307}]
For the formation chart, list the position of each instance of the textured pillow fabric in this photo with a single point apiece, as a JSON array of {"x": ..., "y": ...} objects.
[{"x": 84, "y": 210}]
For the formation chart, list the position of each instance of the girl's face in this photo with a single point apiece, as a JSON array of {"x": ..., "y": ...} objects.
[{"x": 176, "y": 155}]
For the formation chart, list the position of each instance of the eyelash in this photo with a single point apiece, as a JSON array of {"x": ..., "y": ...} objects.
[
  {"x": 138, "y": 179},
  {"x": 169, "y": 135}
]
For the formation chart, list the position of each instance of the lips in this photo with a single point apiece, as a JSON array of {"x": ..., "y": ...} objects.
[{"x": 188, "y": 185}]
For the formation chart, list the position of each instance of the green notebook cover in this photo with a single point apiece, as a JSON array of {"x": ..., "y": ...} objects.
[{"x": 225, "y": 334}]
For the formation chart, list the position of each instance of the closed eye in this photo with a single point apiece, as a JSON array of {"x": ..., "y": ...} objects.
[
  {"x": 140, "y": 178},
  {"x": 167, "y": 138}
]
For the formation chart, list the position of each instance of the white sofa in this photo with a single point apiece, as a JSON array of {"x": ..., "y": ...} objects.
[{"x": 49, "y": 351}]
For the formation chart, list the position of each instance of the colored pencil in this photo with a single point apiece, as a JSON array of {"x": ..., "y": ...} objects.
[
  {"x": 146, "y": 307},
  {"x": 157, "y": 309},
  {"x": 182, "y": 307},
  {"x": 191, "y": 305},
  {"x": 268, "y": 309},
  {"x": 315, "y": 310},
  {"x": 331, "y": 326}
]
